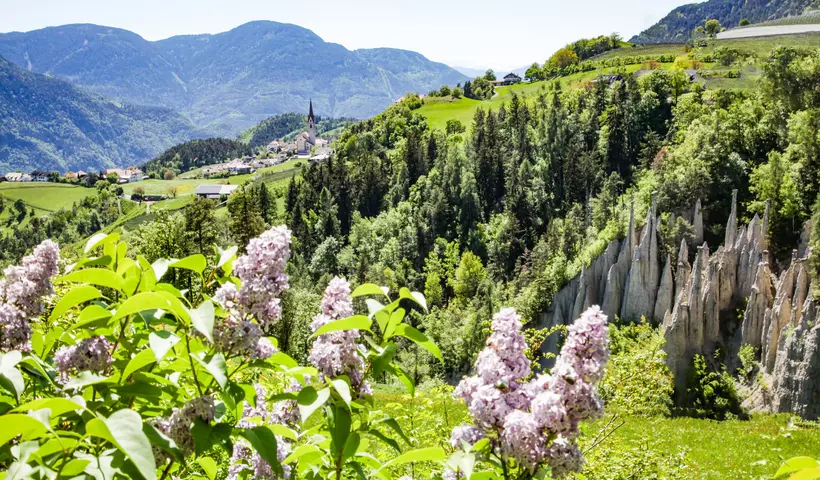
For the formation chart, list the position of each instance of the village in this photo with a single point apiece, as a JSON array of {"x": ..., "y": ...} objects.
[{"x": 305, "y": 146}]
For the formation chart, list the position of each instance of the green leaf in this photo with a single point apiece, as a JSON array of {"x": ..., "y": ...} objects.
[
  {"x": 159, "y": 440},
  {"x": 74, "y": 297},
  {"x": 795, "y": 464},
  {"x": 85, "y": 379},
  {"x": 202, "y": 318},
  {"x": 382, "y": 360},
  {"x": 160, "y": 267},
  {"x": 356, "y": 322},
  {"x": 124, "y": 429},
  {"x": 142, "y": 302},
  {"x": 13, "y": 424},
  {"x": 57, "y": 405},
  {"x": 226, "y": 256},
  {"x": 263, "y": 441},
  {"x": 208, "y": 466},
  {"x": 393, "y": 424},
  {"x": 90, "y": 314},
  {"x": 351, "y": 446},
  {"x": 403, "y": 378},
  {"x": 143, "y": 359},
  {"x": 368, "y": 289},
  {"x": 94, "y": 276},
  {"x": 806, "y": 474},
  {"x": 343, "y": 388},
  {"x": 373, "y": 306},
  {"x": 215, "y": 366},
  {"x": 300, "y": 452},
  {"x": 74, "y": 467},
  {"x": 338, "y": 423},
  {"x": 421, "y": 339},
  {"x": 284, "y": 431},
  {"x": 395, "y": 319},
  {"x": 161, "y": 342},
  {"x": 310, "y": 400},
  {"x": 196, "y": 263},
  {"x": 384, "y": 438},
  {"x": 431, "y": 454},
  {"x": 98, "y": 239}
]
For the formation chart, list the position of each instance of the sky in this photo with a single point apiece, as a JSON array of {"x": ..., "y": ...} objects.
[{"x": 476, "y": 33}]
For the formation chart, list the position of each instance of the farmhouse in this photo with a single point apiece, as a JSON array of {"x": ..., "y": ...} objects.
[
  {"x": 18, "y": 177},
  {"x": 274, "y": 146},
  {"x": 509, "y": 79},
  {"x": 214, "y": 191},
  {"x": 39, "y": 176},
  {"x": 129, "y": 175}
]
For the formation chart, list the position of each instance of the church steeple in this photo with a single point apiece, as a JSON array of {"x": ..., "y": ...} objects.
[{"x": 311, "y": 125}]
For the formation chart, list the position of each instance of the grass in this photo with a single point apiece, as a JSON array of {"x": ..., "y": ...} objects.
[
  {"x": 46, "y": 197},
  {"x": 705, "y": 449},
  {"x": 439, "y": 110}
]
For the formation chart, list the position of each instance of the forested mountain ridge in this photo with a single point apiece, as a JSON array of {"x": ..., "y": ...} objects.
[
  {"x": 229, "y": 81},
  {"x": 49, "y": 124},
  {"x": 678, "y": 25}
]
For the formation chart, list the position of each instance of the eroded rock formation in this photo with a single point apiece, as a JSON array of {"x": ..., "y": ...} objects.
[{"x": 699, "y": 304}]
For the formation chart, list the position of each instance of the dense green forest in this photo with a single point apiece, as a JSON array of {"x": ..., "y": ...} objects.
[{"x": 679, "y": 24}]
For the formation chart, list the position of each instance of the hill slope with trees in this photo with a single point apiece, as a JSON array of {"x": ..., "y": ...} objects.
[
  {"x": 48, "y": 124},
  {"x": 228, "y": 81},
  {"x": 678, "y": 25}
]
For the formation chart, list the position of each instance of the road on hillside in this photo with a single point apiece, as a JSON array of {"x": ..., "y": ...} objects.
[{"x": 767, "y": 31}]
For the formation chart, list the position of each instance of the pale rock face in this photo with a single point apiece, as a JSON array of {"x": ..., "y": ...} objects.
[
  {"x": 642, "y": 279},
  {"x": 666, "y": 291},
  {"x": 697, "y": 223},
  {"x": 796, "y": 373}
]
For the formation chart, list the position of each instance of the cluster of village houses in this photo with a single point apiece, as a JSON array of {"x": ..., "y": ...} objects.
[{"x": 124, "y": 175}]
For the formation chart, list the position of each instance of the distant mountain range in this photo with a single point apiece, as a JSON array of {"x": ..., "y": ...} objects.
[
  {"x": 227, "y": 82},
  {"x": 678, "y": 25},
  {"x": 49, "y": 124}
]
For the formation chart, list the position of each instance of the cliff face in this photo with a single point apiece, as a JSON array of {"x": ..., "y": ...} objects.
[{"x": 698, "y": 304}]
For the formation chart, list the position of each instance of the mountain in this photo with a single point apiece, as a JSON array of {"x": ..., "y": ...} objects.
[
  {"x": 479, "y": 72},
  {"x": 678, "y": 25},
  {"x": 228, "y": 81},
  {"x": 49, "y": 124}
]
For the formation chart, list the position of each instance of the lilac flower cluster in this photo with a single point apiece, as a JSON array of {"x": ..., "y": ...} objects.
[
  {"x": 466, "y": 435},
  {"x": 177, "y": 427},
  {"x": 337, "y": 353},
  {"x": 21, "y": 295},
  {"x": 262, "y": 272},
  {"x": 536, "y": 423},
  {"x": 243, "y": 457},
  {"x": 91, "y": 354}
]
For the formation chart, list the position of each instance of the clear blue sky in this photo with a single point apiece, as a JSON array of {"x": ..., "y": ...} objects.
[{"x": 477, "y": 33}]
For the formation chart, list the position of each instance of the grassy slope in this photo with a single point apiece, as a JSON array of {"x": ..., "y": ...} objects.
[
  {"x": 438, "y": 111},
  {"x": 706, "y": 449},
  {"x": 45, "y": 196}
]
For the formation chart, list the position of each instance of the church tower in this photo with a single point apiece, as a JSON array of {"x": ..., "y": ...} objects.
[{"x": 311, "y": 125}]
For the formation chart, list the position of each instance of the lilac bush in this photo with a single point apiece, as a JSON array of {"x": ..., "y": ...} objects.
[{"x": 531, "y": 426}]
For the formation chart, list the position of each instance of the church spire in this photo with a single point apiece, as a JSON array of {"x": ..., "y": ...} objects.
[{"x": 310, "y": 112}]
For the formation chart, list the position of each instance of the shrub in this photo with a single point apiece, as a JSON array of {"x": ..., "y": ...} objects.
[
  {"x": 710, "y": 393},
  {"x": 638, "y": 381}
]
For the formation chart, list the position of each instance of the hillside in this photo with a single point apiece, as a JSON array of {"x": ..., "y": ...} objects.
[
  {"x": 49, "y": 124},
  {"x": 286, "y": 126},
  {"x": 678, "y": 25},
  {"x": 228, "y": 81}
]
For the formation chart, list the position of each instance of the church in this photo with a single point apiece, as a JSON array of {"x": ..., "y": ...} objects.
[{"x": 306, "y": 141}]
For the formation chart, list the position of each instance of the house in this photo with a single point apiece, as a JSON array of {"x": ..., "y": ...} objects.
[
  {"x": 274, "y": 146},
  {"x": 129, "y": 175},
  {"x": 609, "y": 79},
  {"x": 214, "y": 191},
  {"x": 70, "y": 176},
  {"x": 241, "y": 169},
  {"x": 15, "y": 177},
  {"x": 509, "y": 79},
  {"x": 39, "y": 176}
]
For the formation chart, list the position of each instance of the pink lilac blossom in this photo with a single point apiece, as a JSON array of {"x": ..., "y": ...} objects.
[
  {"x": 91, "y": 354},
  {"x": 525, "y": 415},
  {"x": 243, "y": 457},
  {"x": 497, "y": 390},
  {"x": 178, "y": 426},
  {"x": 262, "y": 271},
  {"x": 465, "y": 435},
  {"x": 21, "y": 294},
  {"x": 523, "y": 440},
  {"x": 235, "y": 334},
  {"x": 337, "y": 353}
]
